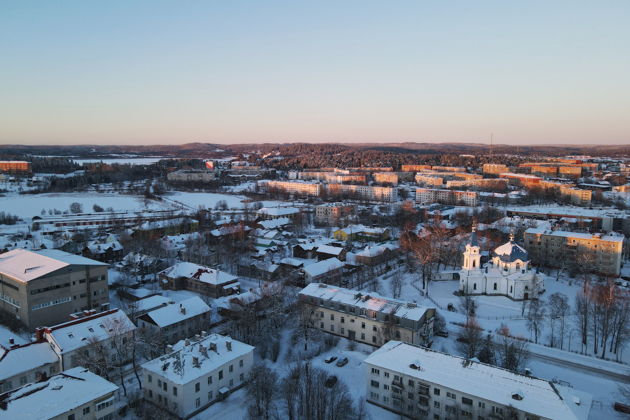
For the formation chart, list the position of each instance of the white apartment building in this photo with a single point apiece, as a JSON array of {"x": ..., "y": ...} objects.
[
  {"x": 71, "y": 340},
  {"x": 196, "y": 373},
  {"x": 429, "y": 180},
  {"x": 292, "y": 187},
  {"x": 434, "y": 195},
  {"x": 417, "y": 382},
  {"x": 23, "y": 364},
  {"x": 76, "y": 394},
  {"x": 363, "y": 192},
  {"x": 367, "y": 318}
]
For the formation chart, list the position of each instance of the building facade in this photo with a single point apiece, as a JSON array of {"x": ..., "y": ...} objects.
[
  {"x": 601, "y": 253},
  {"x": 367, "y": 318},
  {"x": 433, "y": 195},
  {"x": 420, "y": 383},
  {"x": 44, "y": 287},
  {"x": 196, "y": 373}
]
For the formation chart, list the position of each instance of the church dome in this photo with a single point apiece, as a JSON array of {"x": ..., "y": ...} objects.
[{"x": 511, "y": 251}]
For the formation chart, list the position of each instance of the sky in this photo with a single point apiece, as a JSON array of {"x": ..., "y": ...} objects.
[{"x": 170, "y": 72}]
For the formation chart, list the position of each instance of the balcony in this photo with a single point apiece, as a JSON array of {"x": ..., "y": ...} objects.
[{"x": 398, "y": 383}]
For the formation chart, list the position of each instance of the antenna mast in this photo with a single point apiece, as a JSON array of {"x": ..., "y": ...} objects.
[{"x": 491, "y": 138}]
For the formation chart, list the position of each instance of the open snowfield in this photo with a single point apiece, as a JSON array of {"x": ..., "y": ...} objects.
[
  {"x": 29, "y": 205},
  {"x": 121, "y": 161},
  {"x": 195, "y": 200}
]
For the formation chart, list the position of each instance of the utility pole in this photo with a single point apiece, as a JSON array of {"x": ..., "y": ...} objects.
[{"x": 491, "y": 139}]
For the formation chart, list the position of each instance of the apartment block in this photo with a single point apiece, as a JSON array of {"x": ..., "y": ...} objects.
[
  {"x": 420, "y": 383},
  {"x": 44, "y": 287},
  {"x": 494, "y": 168},
  {"x": 429, "y": 180},
  {"x": 176, "y": 321},
  {"x": 26, "y": 363},
  {"x": 492, "y": 183},
  {"x": 331, "y": 214},
  {"x": 15, "y": 166},
  {"x": 552, "y": 248},
  {"x": 363, "y": 192},
  {"x": 431, "y": 195},
  {"x": 368, "y": 318},
  {"x": 386, "y": 178},
  {"x": 196, "y": 373},
  {"x": 200, "y": 279},
  {"x": 333, "y": 177},
  {"x": 414, "y": 168},
  {"x": 292, "y": 187},
  {"x": 74, "y": 394}
]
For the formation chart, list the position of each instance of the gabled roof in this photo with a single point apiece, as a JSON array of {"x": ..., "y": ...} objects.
[
  {"x": 24, "y": 265},
  {"x": 24, "y": 358},
  {"x": 199, "y": 272},
  {"x": 177, "y": 312},
  {"x": 323, "y": 267},
  {"x": 511, "y": 251}
]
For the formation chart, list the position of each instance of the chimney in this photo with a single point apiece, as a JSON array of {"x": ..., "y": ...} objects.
[
  {"x": 195, "y": 361},
  {"x": 39, "y": 334},
  {"x": 182, "y": 309},
  {"x": 187, "y": 342},
  {"x": 169, "y": 348},
  {"x": 213, "y": 347},
  {"x": 11, "y": 341},
  {"x": 228, "y": 345},
  {"x": 204, "y": 333}
]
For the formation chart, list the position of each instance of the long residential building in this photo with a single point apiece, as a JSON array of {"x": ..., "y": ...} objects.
[
  {"x": 602, "y": 253},
  {"x": 494, "y": 168},
  {"x": 196, "y": 373},
  {"x": 434, "y": 195},
  {"x": 367, "y": 317},
  {"x": 363, "y": 192},
  {"x": 332, "y": 213},
  {"x": 15, "y": 166},
  {"x": 44, "y": 287},
  {"x": 420, "y": 383},
  {"x": 312, "y": 189}
]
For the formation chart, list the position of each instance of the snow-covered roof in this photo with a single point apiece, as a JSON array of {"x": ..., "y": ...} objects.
[
  {"x": 192, "y": 359},
  {"x": 275, "y": 223},
  {"x": 57, "y": 395},
  {"x": 511, "y": 251},
  {"x": 539, "y": 397},
  {"x": 77, "y": 333},
  {"x": 324, "y": 266},
  {"x": 278, "y": 211},
  {"x": 25, "y": 265},
  {"x": 149, "y": 303},
  {"x": 24, "y": 358},
  {"x": 177, "y": 312},
  {"x": 363, "y": 229},
  {"x": 373, "y": 251},
  {"x": 367, "y": 301},
  {"x": 99, "y": 248},
  {"x": 332, "y": 250},
  {"x": 199, "y": 272},
  {"x": 611, "y": 237}
]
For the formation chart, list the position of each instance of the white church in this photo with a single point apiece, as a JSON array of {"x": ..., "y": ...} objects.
[{"x": 509, "y": 273}]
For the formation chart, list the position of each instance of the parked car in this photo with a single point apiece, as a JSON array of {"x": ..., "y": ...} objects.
[
  {"x": 330, "y": 359},
  {"x": 342, "y": 362},
  {"x": 442, "y": 333},
  {"x": 330, "y": 382}
]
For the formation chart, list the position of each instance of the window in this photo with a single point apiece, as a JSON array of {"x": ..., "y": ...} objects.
[
  {"x": 197, "y": 387},
  {"x": 410, "y": 395},
  {"x": 231, "y": 368},
  {"x": 159, "y": 383},
  {"x": 376, "y": 371},
  {"x": 495, "y": 286},
  {"x": 363, "y": 325},
  {"x": 467, "y": 401},
  {"x": 210, "y": 380},
  {"x": 482, "y": 404},
  {"x": 343, "y": 320},
  {"x": 209, "y": 395},
  {"x": 321, "y": 325},
  {"x": 175, "y": 391},
  {"x": 474, "y": 286},
  {"x": 150, "y": 394},
  {"x": 241, "y": 377},
  {"x": 23, "y": 380},
  {"x": 385, "y": 387},
  {"x": 373, "y": 339},
  {"x": 386, "y": 374},
  {"x": 374, "y": 395},
  {"x": 332, "y": 327},
  {"x": 71, "y": 417},
  {"x": 451, "y": 395},
  {"x": 342, "y": 331},
  {"x": 332, "y": 317},
  {"x": 150, "y": 378},
  {"x": 197, "y": 402},
  {"x": 373, "y": 327},
  {"x": 410, "y": 383},
  {"x": 374, "y": 384},
  {"x": 86, "y": 410},
  {"x": 240, "y": 363},
  {"x": 436, "y": 404},
  {"x": 362, "y": 336},
  {"x": 165, "y": 386}
]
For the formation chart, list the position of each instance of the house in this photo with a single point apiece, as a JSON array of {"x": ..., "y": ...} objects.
[
  {"x": 108, "y": 252},
  {"x": 267, "y": 213},
  {"x": 139, "y": 307},
  {"x": 44, "y": 287},
  {"x": 26, "y": 363},
  {"x": 417, "y": 382},
  {"x": 73, "y": 394},
  {"x": 178, "y": 320},
  {"x": 329, "y": 271},
  {"x": 361, "y": 233},
  {"x": 73, "y": 341},
  {"x": 196, "y": 373},
  {"x": 324, "y": 252},
  {"x": 200, "y": 279},
  {"x": 368, "y": 318},
  {"x": 377, "y": 254}
]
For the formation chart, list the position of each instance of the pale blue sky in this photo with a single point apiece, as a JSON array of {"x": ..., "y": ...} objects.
[{"x": 154, "y": 71}]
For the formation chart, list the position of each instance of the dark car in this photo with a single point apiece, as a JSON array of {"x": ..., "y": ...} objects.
[
  {"x": 330, "y": 382},
  {"x": 442, "y": 334},
  {"x": 330, "y": 359},
  {"x": 342, "y": 362}
]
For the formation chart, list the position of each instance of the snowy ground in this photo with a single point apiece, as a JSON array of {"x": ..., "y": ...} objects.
[{"x": 196, "y": 200}]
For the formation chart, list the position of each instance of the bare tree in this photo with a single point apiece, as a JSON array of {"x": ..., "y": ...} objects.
[
  {"x": 470, "y": 338},
  {"x": 262, "y": 390},
  {"x": 535, "y": 317},
  {"x": 558, "y": 311},
  {"x": 511, "y": 352}
]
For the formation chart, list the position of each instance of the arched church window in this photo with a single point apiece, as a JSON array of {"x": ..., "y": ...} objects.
[
  {"x": 510, "y": 289},
  {"x": 495, "y": 286},
  {"x": 474, "y": 286}
]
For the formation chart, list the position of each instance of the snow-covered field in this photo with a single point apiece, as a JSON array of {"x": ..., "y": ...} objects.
[
  {"x": 121, "y": 161},
  {"x": 30, "y": 205},
  {"x": 209, "y": 200}
]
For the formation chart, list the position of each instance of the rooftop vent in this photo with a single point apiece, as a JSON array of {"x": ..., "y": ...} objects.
[
  {"x": 228, "y": 345},
  {"x": 517, "y": 395},
  {"x": 322, "y": 285}
]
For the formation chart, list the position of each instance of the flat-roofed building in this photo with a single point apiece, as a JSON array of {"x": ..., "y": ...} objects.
[
  {"x": 196, "y": 373},
  {"x": 312, "y": 189},
  {"x": 417, "y": 382},
  {"x": 429, "y": 179},
  {"x": 332, "y": 214},
  {"x": 414, "y": 168},
  {"x": 363, "y": 192},
  {"x": 44, "y": 287},
  {"x": 190, "y": 175},
  {"x": 494, "y": 168},
  {"x": 386, "y": 178},
  {"x": 15, "y": 166},
  {"x": 366, "y": 317},
  {"x": 442, "y": 196},
  {"x": 602, "y": 253},
  {"x": 73, "y": 394}
]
